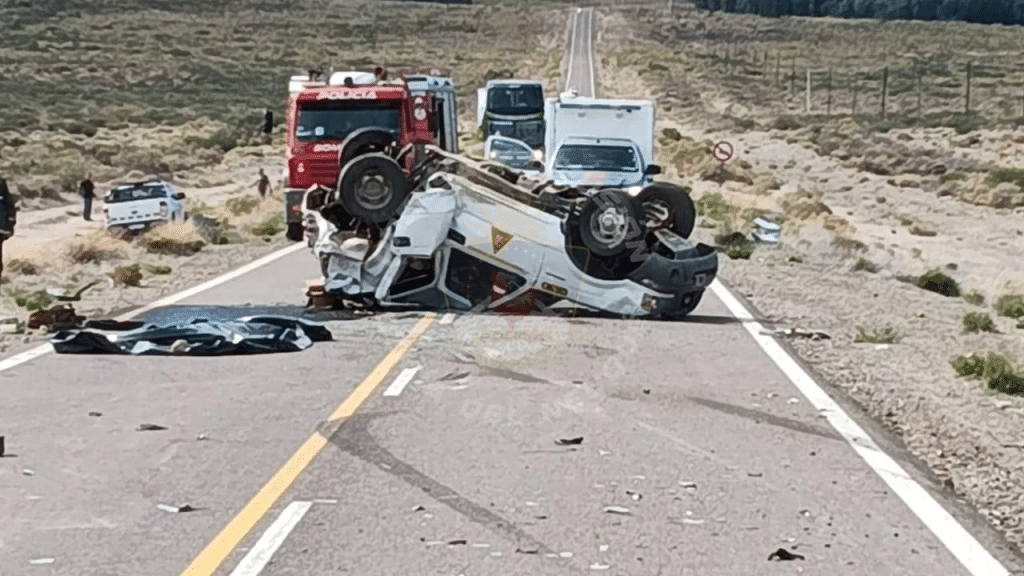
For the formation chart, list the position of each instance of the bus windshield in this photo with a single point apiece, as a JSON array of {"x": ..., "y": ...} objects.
[{"x": 515, "y": 100}]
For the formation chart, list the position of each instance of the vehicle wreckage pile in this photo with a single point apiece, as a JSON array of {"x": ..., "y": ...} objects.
[{"x": 453, "y": 233}]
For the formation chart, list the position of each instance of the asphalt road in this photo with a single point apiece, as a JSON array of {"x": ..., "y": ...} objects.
[
  {"x": 417, "y": 445},
  {"x": 579, "y": 69}
]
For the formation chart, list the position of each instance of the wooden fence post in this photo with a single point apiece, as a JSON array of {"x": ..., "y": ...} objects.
[
  {"x": 808, "y": 101},
  {"x": 853, "y": 108},
  {"x": 792, "y": 75},
  {"x": 765, "y": 64},
  {"x": 828, "y": 105},
  {"x": 919, "y": 80},
  {"x": 885, "y": 88},
  {"x": 967, "y": 96},
  {"x": 778, "y": 63}
]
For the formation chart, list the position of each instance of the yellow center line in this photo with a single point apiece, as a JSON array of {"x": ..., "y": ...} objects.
[{"x": 217, "y": 551}]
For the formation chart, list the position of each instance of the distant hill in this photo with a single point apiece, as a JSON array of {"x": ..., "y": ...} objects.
[{"x": 1010, "y": 12}]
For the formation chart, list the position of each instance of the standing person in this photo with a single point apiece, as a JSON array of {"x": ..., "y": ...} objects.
[
  {"x": 263, "y": 184},
  {"x": 8, "y": 215},
  {"x": 85, "y": 190}
]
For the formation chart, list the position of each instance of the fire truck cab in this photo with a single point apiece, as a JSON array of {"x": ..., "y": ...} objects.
[{"x": 356, "y": 113}]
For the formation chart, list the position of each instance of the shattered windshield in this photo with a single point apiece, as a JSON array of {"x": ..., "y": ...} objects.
[
  {"x": 336, "y": 120},
  {"x": 144, "y": 192},
  {"x": 586, "y": 157},
  {"x": 515, "y": 100}
]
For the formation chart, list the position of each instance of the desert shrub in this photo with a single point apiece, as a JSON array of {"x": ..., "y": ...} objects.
[
  {"x": 787, "y": 122},
  {"x": 23, "y": 267},
  {"x": 974, "y": 299},
  {"x": 848, "y": 244},
  {"x": 995, "y": 370},
  {"x": 267, "y": 228},
  {"x": 159, "y": 269},
  {"x": 1011, "y": 175},
  {"x": 94, "y": 251},
  {"x": 241, "y": 205},
  {"x": 978, "y": 322},
  {"x": 715, "y": 207},
  {"x": 886, "y": 335},
  {"x": 865, "y": 264},
  {"x": 951, "y": 177},
  {"x": 173, "y": 239},
  {"x": 935, "y": 281},
  {"x": 1010, "y": 306},
  {"x": 672, "y": 134},
  {"x": 223, "y": 140},
  {"x": 735, "y": 245},
  {"x": 796, "y": 259},
  {"x": 127, "y": 275}
]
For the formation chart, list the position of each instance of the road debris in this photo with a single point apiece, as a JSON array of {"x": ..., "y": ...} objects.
[
  {"x": 457, "y": 542},
  {"x": 766, "y": 231},
  {"x": 599, "y": 566},
  {"x": 754, "y": 474},
  {"x": 175, "y": 509},
  {"x": 95, "y": 414},
  {"x": 603, "y": 547},
  {"x": 570, "y": 441},
  {"x": 793, "y": 401},
  {"x": 202, "y": 437},
  {"x": 603, "y": 452},
  {"x": 616, "y": 510},
  {"x": 783, "y": 554},
  {"x": 646, "y": 390},
  {"x": 480, "y": 545},
  {"x": 418, "y": 509},
  {"x": 634, "y": 495},
  {"x": 41, "y": 561},
  {"x": 149, "y": 427},
  {"x": 798, "y": 333},
  {"x": 688, "y": 484},
  {"x": 28, "y": 472},
  {"x": 527, "y": 551},
  {"x": 1, "y": 446}
]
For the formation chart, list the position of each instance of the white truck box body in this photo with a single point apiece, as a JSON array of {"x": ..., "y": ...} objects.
[{"x": 610, "y": 121}]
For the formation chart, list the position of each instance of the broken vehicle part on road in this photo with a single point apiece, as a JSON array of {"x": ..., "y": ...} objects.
[
  {"x": 198, "y": 336},
  {"x": 476, "y": 236}
]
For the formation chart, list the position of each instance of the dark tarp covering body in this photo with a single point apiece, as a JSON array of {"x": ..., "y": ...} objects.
[{"x": 192, "y": 335}]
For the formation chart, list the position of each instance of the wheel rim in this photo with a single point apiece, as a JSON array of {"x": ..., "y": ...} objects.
[
  {"x": 609, "y": 227},
  {"x": 658, "y": 212},
  {"x": 373, "y": 192}
]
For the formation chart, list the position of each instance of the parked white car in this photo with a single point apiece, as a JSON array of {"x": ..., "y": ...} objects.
[{"x": 140, "y": 205}]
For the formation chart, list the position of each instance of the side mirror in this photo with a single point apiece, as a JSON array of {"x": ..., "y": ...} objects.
[
  {"x": 179, "y": 196},
  {"x": 652, "y": 169}
]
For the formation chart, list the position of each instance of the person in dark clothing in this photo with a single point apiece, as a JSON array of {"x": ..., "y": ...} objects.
[
  {"x": 263, "y": 184},
  {"x": 8, "y": 215},
  {"x": 85, "y": 190}
]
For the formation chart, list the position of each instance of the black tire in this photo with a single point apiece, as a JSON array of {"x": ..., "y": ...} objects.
[
  {"x": 609, "y": 223},
  {"x": 364, "y": 141},
  {"x": 372, "y": 188},
  {"x": 616, "y": 267},
  {"x": 682, "y": 214},
  {"x": 295, "y": 232}
]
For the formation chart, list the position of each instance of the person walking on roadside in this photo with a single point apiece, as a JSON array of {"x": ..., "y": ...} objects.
[
  {"x": 263, "y": 184},
  {"x": 8, "y": 215},
  {"x": 85, "y": 190}
]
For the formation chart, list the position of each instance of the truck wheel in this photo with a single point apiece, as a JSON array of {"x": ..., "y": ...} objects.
[
  {"x": 364, "y": 141},
  {"x": 372, "y": 187},
  {"x": 609, "y": 223},
  {"x": 670, "y": 207},
  {"x": 295, "y": 232}
]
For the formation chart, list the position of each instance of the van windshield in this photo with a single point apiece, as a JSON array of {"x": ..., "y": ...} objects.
[
  {"x": 333, "y": 120},
  {"x": 605, "y": 158},
  {"x": 143, "y": 192}
]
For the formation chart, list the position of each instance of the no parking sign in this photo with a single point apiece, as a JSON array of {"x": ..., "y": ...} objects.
[{"x": 723, "y": 151}]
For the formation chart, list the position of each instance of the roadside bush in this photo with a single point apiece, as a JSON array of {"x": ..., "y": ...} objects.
[
  {"x": 952, "y": 177},
  {"x": 735, "y": 245},
  {"x": 174, "y": 239},
  {"x": 127, "y": 275},
  {"x": 1011, "y": 175},
  {"x": 994, "y": 370},
  {"x": 241, "y": 205},
  {"x": 159, "y": 269},
  {"x": 848, "y": 244},
  {"x": 715, "y": 207},
  {"x": 22, "y": 267},
  {"x": 96, "y": 250},
  {"x": 978, "y": 322},
  {"x": 1010, "y": 306},
  {"x": 867, "y": 265},
  {"x": 886, "y": 335},
  {"x": 935, "y": 281},
  {"x": 268, "y": 228},
  {"x": 974, "y": 299}
]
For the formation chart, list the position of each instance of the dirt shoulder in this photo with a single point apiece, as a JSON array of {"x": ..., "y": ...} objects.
[{"x": 864, "y": 214}]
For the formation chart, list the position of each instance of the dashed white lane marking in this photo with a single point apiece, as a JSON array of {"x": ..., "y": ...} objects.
[
  {"x": 960, "y": 542},
  {"x": 446, "y": 319},
  {"x": 272, "y": 539},
  {"x": 401, "y": 381},
  {"x": 18, "y": 359}
]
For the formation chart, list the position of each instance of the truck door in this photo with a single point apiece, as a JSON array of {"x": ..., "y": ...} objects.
[{"x": 446, "y": 120}]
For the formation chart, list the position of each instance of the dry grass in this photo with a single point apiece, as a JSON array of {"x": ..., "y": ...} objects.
[
  {"x": 22, "y": 266},
  {"x": 96, "y": 249},
  {"x": 174, "y": 239},
  {"x": 130, "y": 275}
]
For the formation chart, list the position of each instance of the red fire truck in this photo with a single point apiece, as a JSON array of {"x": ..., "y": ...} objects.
[{"x": 357, "y": 114}]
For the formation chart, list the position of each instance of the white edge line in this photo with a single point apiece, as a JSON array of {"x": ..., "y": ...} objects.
[
  {"x": 590, "y": 45},
  {"x": 960, "y": 542},
  {"x": 32, "y": 354},
  {"x": 572, "y": 51},
  {"x": 258, "y": 557},
  {"x": 401, "y": 381}
]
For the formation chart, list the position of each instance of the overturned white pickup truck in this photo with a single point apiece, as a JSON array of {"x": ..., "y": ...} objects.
[{"x": 469, "y": 239}]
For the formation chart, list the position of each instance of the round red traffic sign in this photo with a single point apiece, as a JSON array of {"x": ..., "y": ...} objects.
[{"x": 723, "y": 151}]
